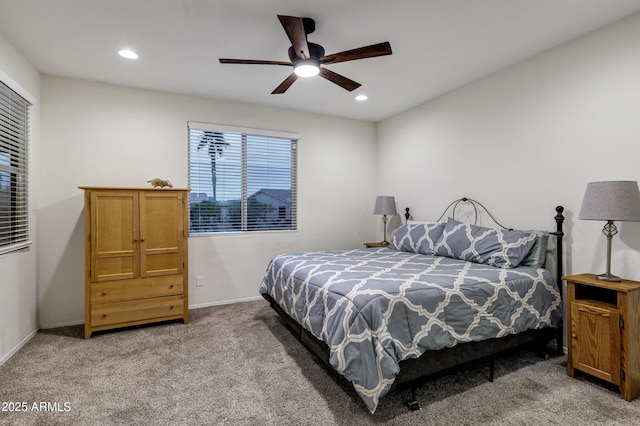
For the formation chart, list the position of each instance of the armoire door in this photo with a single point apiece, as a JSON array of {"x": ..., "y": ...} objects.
[
  {"x": 114, "y": 230},
  {"x": 161, "y": 233}
]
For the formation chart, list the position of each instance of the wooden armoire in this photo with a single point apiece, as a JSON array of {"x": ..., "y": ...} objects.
[{"x": 135, "y": 256}]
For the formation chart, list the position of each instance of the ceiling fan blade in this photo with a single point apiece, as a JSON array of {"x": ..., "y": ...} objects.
[
  {"x": 285, "y": 84},
  {"x": 338, "y": 79},
  {"x": 380, "y": 49},
  {"x": 294, "y": 28},
  {"x": 252, "y": 62}
]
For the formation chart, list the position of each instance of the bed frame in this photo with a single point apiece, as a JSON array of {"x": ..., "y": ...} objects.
[{"x": 415, "y": 372}]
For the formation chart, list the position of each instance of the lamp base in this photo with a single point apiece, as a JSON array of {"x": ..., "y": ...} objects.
[
  {"x": 609, "y": 230},
  {"x": 608, "y": 277}
]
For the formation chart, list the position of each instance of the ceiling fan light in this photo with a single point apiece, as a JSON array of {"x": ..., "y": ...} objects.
[
  {"x": 129, "y": 54},
  {"x": 307, "y": 68}
]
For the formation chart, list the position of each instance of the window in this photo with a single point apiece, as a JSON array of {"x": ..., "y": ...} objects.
[
  {"x": 14, "y": 212},
  {"x": 241, "y": 179}
]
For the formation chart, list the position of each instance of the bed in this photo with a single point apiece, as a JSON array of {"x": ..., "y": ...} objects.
[{"x": 442, "y": 294}]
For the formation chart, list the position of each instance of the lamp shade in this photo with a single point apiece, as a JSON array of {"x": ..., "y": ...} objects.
[
  {"x": 611, "y": 200},
  {"x": 385, "y": 204}
]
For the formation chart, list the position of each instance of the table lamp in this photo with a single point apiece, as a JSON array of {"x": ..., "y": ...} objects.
[
  {"x": 610, "y": 201},
  {"x": 385, "y": 205}
]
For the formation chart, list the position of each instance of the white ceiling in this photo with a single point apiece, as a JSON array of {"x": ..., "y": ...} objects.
[{"x": 438, "y": 45}]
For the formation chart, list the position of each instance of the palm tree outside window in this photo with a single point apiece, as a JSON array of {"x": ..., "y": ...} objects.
[{"x": 214, "y": 144}]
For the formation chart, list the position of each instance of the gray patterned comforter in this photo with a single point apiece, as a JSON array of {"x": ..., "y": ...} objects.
[{"x": 375, "y": 308}]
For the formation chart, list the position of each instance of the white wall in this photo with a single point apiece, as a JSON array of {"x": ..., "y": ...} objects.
[
  {"x": 527, "y": 139},
  {"x": 18, "y": 269},
  {"x": 104, "y": 135}
]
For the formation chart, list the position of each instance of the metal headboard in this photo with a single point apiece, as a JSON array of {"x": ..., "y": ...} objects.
[
  {"x": 559, "y": 234},
  {"x": 476, "y": 206}
]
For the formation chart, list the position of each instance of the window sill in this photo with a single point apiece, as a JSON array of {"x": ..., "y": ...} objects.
[
  {"x": 15, "y": 247},
  {"x": 243, "y": 234}
]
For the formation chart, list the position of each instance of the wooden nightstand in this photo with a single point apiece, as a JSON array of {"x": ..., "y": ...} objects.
[
  {"x": 381, "y": 244},
  {"x": 603, "y": 331}
]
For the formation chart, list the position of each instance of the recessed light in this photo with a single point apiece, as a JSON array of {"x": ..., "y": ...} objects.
[
  {"x": 361, "y": 98},
  {"x": 129, "y": 54}
]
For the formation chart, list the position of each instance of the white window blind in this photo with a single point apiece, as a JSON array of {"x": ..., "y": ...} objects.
[
  {"x": 241, "y": 179},
  {"x": 14, "y": 195}
]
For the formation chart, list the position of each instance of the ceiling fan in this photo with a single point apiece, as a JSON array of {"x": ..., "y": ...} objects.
[{"x": 307, "y": 58}]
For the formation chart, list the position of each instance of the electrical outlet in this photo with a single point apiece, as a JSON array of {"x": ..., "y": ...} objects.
[{"x": 199, "y": 281}]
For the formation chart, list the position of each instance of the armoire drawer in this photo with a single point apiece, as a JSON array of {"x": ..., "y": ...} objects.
[
  {"x": 137, "y": 288},
  {"x": 136, "y": 310}
]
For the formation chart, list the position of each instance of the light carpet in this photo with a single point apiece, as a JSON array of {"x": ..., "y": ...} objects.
[{"x": 239, "y": 365}]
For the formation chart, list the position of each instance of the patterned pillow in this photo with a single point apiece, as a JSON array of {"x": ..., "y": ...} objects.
[
  {"x": 416, "y": 237},
  {"x": 495, "y": 247}
]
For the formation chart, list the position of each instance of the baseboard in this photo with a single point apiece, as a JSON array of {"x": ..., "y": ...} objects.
[
  {"x": 200, "y": 305},
  {"x": 13, "y": 351},
  {"x": 225, "y": 302},
  {"x": 61, "y": 324}
]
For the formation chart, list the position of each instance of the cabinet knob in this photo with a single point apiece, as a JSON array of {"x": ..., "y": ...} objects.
[
  {"x": 574, "y": 335},
  {"x": 171, "y": 286},
  {"x": 171, "y": 307},
  {"x": 104, "y": 293}
]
